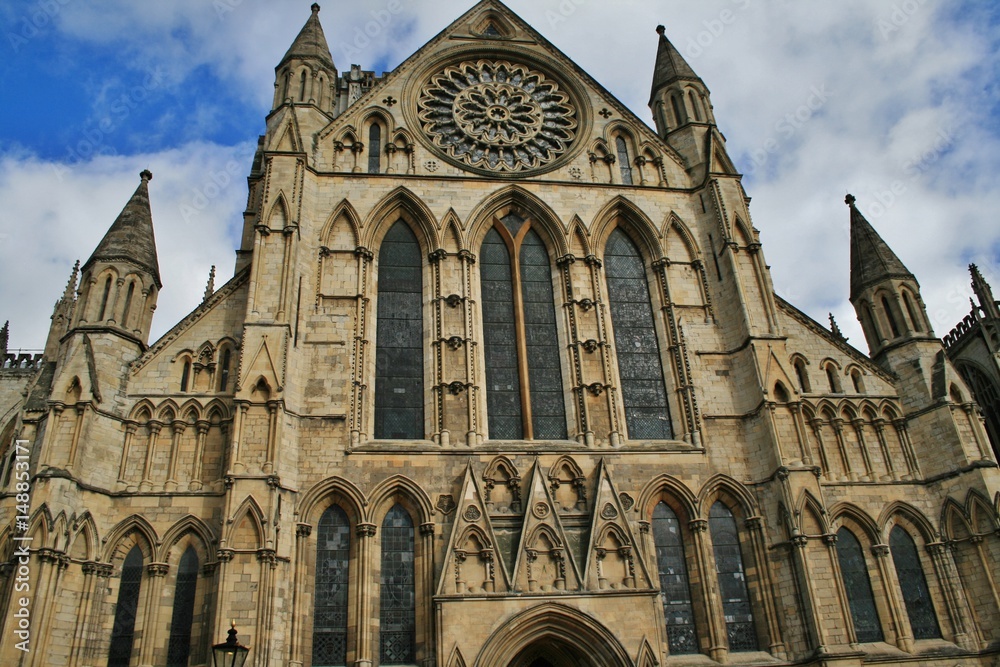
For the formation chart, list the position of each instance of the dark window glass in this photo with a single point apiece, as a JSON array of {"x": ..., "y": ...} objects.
[
  {"x": 375, "y": 149},
  {"x": 503, "y": 389},
  {"x": 185, "y": 375},
  {"x": 399, "y": 358},
  {"x": 179, "y": 645},
  {"x": 988, "y": 397},
  {"x": 332, "y": 577},
  {"x": 732, "y": 579},
  {"x": 302, "y": 87},
  {"x": 224, "y": 375},
  {"x": 694, "y": 106},
  {"x": 891, "y": 317},
  {"x": 858, "y": 587},
  {"x": 800, "y": 372},
  {"x": 398, "y": 607},
  {"x": 123, "y": 631},
  {"x": 623, "y": 162},
  {"x": 548, "y": 408},
  {"x": 643, "y": 389},
  {"x": 104, "y": 299},
  {"x": 916, "y": 595},
  {"x": 128, "y": 304},
  {"x": 917, "y": 326},
  {"x": 491, "y": 31},
  {"x": 677, "y": 110},
  {"x": 675, "y": 589},
  {"x": 831, "y": 378}
]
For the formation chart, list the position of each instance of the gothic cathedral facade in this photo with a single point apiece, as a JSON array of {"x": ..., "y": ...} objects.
[{"x": 500, "y": 380}]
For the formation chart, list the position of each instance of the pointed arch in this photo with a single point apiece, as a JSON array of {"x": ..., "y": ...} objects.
[
  {"x": 623, "y": 212},
  {"x": 850, "y": 513},
  {"x": 721, "y": 486},
  {"x": 40, "y": 526},
  {"x": 403, "y": 490},
  {"x": 543, "y": 530},
  {"x": 279, "y": 213},
  {"x": 515, "y": 199},
  {"x": 332, "y": 490},
  {"x": 453, "y": 238},
  {"x": 982, "y": 515},
  {"x": 83, "y": 542},
  {"x": 343, "y": 211},
  {"x": 456, "y": 659},
  {"x": 473, "y": 531},
  {"x": 403, "y": 204},
  {"x": 673, "y": 227},
  {"x": 250, "y": 515},
  {"x": 218, "y": 408},
  {"x": 142, "y": 411},
  {"x": 579, "y": 238},
  {"x": 133, "y": 525},
  {"x": 187, "y": 525},
  {"x": 897, "y": 509},
  {"x": 809, "y": 506},
  {"x": 954, "y": 523},
  {"x": 662, "y": 487}
]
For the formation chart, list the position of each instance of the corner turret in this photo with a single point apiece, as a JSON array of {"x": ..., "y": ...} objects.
[{"x": 307, "y": 74}]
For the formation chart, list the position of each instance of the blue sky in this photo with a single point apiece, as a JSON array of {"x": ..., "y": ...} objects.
[{"x": 896, "y": 101}]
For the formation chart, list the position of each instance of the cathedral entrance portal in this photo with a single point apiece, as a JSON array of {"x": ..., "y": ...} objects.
[{"x": 552, "y": 635}]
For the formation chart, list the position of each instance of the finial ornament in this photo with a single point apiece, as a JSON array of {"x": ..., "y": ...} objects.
[
  {"x": 849, "y": 200},
  {"x": 146, "y": 175},
  {"x": 315, "y": 8},
  {"x": 660, "y": 29},
  {"x": 210, "y": 288},
  {"x": 835, "y": 329}
]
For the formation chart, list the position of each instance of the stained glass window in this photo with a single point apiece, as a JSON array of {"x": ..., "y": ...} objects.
[
  {"x": 374, "y": 148},
  {"x": 732, "y": 579},
  {"x": 123, "y": 631},
  {"x": 399, "y": 359},
  {"x": 332, "y": 577},
  {"x": 675, "y": 589},
  {"x": 988, "y": 397},
  {"x": 179, "y": 645},
  {"x": 623, "y": 162},
  {"x": 891, "y": 317},
  {"x": 397, "y": 610},
  {"x": 224, "y": 374},
  {"x": 916, "y": 595},
  {"x": 643, "y": 389},
  {"x": 519, "y": 296},
  {"x": 858, "y": 587}
]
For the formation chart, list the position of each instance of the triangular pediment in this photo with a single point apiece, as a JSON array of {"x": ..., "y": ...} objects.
[{"x": 549, "y": 134}]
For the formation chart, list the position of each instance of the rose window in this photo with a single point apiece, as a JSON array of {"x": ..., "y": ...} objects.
[{"x": 497, "y": 116}]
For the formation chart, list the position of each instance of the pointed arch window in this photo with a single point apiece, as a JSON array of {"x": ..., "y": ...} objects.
[
  {"x": 398, "y": 603},
  {"x": 916, "y": 594},
  {"x": 399, "y": 358},
  {"x": 182, "y": 619},
  {"x": 227, "y": 359},
  {"x": 736, "y": 605},
  {"x": 524, "y": 389},
  {"x": 675, "y": 587},
  {"x": 302, "y": 87},
  {"x": 694, "y": 105},
  {"x": 128, "y": 304},
  {"x": 677, "y": 110},
  {"x": 987, "y": 395},
  {"x": 123, "y": 630},
  {"x": 912, "y": 311},
  {"x": 375, "y": 149},
  {"x": 639, "y": 364},
  {"x": 858, "y": 587},
  {"x": 801, "y": 375},
  {"x": 333, "y": 552},
  {"x": 891, "y": 317},
  {"x": 624, "y": 163},
  {"x": 104, "y": 299},
  {"x": 185, "y": 374}
]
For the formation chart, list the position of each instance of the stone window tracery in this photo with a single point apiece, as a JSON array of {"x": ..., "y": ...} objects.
[
  {"x": 123, "y": 631},
  {"x": 398, "y": 607},
  {"x": 497, "y": 116},
  {"x": 858, "y": 587},
  {"x": 736, "y": 605},
  {"x": 329, "y": 648},
  {"x": 182, "y": 618},
  {"x": 675, "y": 587},
  {"x": 916, "y": 594}
]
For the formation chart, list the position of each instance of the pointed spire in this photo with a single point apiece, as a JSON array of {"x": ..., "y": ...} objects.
[
  {"x": 670, "y": 65},
  {"x": 130, "y": 238},
  {"x": 70, "y": 292},
  {"x": 210, "y": 287},
  {"x": 872, "y": 260},
  {"x": 984, "y": 293},
  {"x": 310, "y": 43},
  {"x": 835, "y": 329}
]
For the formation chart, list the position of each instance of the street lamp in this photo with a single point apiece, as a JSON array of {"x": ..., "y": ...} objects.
[{"x": 230, "y": 653}]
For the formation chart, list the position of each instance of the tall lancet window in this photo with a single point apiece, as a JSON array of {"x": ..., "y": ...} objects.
[
  {"x": 179, "y": 645},
  {"x": 643, "y": 390},
  {"x": 332, "y": 577},
  {"x": 675, "y": 588},
  {"x": 399, "y": 358},
  {"x": 858, "y": 587},
  {"x": 375, "y": 149},
  {"x": 397, "y": 597},
  {"x": 123, "y": 631},
  {"x": 732, "y": 579},
  {"x": 916, "y": 595},
  {"x": 524, "y": 390},
  {"x": 623, "y": 160}
]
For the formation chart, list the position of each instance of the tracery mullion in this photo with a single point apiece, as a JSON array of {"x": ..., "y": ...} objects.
[{"x": 514, "y": 246}]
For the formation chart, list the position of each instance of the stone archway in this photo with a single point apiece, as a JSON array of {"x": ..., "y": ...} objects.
[{"x": 552, "y": 635}]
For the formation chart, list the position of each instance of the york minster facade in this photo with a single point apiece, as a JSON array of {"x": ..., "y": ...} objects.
[{"x": 500, "y": 379}]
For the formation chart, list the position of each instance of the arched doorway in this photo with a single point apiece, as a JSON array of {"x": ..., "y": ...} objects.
[{"x": 552, "y": 635}]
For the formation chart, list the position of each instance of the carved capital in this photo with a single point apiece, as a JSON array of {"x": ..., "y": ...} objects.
[
  {"x": 880, "y": 550},
  {"x": 453, "y": 300},
  {"x": 303, "y": 530},
  {"x": 466, "y": 256},
  {"x": 366, "y": 530},
  {"x": 427, "y": 528},
  {"x": 364, "y": 253},
  {"x": 437, "y": 256},
  {"x": 225, "y": 555},
  {"x": 157, "y": 569},
  {"x": 698, "y": 525}
]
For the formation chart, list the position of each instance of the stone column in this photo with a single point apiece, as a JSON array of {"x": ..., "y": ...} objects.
[
  {"x": 366, "y": 590},
  {"x": 718, "y": 645},
  {"x": 296, "y": 636},
  {"x": 965, "y": 633},
  {"x": 148, "y": 647},
  {"x": 900, "y": 621}
]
